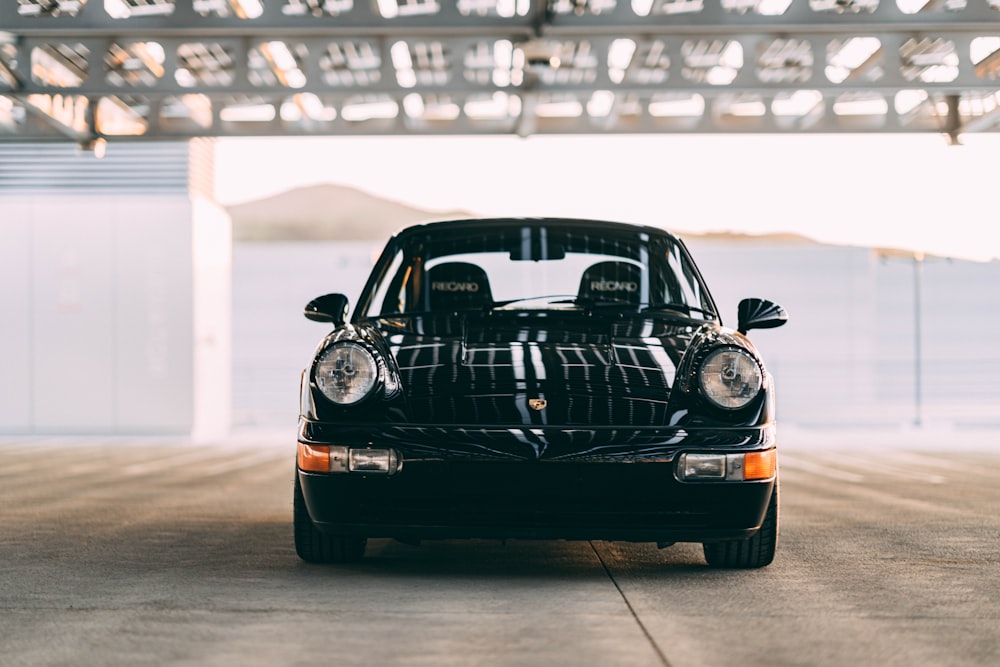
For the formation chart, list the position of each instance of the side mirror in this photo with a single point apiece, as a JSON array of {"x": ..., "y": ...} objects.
[
  {"x": 759, "y": 314},
  {"x": 327, "y": 308}
]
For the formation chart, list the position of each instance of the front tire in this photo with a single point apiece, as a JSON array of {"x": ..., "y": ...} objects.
[
  {"x": 754, "y": 552},
  {"x": 313, "y": 545}
]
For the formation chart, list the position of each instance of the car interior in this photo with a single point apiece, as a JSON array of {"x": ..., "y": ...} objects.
[
  {"x": 610, "y": 282},
  {"x": 457, "y": 286}
]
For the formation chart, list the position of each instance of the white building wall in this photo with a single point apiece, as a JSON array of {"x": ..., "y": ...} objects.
[
  {"x": 212, "y": 270},
  {"x": 72, "y": 315},
  {"x": 115, "y": 305},
  {"x": 16, "y": 317}
]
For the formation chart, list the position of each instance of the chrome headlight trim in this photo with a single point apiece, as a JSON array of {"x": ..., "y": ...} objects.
[
  {"x": 730, "y": 378},
  {"x": 346, "y": 373}
]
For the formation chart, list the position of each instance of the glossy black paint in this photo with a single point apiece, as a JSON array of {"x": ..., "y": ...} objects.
[
  {"x": 592, "y": 370},
  {"x": 464, "y": 499},
  {"x": 330, "y": 308},
  {"x": 759, "y": 314},
  {"x": 597, "y": 462}
]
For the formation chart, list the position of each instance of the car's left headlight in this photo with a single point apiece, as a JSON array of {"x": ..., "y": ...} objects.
[
  {"x": 730, "y": 378},
  {"x": 346, "y": 373}
]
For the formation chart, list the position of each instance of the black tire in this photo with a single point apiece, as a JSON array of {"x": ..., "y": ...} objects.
[
  {"x": 757, "y": 551},
  {"x": 314, "y": 546}
]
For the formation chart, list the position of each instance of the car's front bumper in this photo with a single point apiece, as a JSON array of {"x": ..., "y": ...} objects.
[
  {"x": 610, "y": 501},
  {"x": 622, "y": 495}
]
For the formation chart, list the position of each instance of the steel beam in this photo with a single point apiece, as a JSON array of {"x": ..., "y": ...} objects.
[{"x": 926, "y": 53}]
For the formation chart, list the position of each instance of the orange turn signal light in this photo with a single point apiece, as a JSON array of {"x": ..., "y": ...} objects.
[
  {"x": 760, "y": 465},
  {"x": 314, "y": 458}
]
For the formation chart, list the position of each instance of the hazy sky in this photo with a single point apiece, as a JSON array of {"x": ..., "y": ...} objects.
[{"x": 903, "y": 191}]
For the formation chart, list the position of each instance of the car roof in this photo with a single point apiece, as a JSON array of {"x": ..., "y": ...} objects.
[{"x": 483, "y": 224}]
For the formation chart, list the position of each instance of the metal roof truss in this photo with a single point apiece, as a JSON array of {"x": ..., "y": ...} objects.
[{"x": 156, "y": 69}]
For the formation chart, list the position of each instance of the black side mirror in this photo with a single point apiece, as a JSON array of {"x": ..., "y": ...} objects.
[
  {"x": 759, "y": 314},
  {"x": 328, "y": 308}
]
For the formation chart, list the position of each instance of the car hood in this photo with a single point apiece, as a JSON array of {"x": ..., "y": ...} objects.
[{"x": 535, "y": 369}]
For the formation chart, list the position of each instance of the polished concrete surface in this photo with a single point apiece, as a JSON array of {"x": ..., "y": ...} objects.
[{"x": 160, "y": 552}]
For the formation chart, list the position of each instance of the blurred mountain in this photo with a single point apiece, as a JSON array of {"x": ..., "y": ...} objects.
[
  {"x": 327, "y": 213},
  {"x": 777, "y": 238},
  {"x": 339, "y": 213}
]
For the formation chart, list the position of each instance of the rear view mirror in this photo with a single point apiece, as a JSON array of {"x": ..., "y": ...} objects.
[
  {"x": 759, "y": 314},
  {"x": 327, "y": 308},
  {"x": 537, "y": 251}
]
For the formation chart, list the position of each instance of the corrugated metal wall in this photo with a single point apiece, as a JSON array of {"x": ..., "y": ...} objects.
[{"x": 59, "y": 169}]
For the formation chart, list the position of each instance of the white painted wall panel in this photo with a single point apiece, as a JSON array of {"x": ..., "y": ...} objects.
[
  {"x": 153, "y": 290},
  {"x": 212, "y": 330},
  {"x": 15, "y": 316},
  {"x": 72, "y": 254}
]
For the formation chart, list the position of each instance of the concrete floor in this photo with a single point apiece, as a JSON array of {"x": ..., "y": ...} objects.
[{"x": 159, "y": 552}]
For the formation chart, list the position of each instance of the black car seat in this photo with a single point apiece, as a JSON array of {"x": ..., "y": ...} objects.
[
  {"x": 611, "y": 282},
  {"x": 457, "y": 286}
]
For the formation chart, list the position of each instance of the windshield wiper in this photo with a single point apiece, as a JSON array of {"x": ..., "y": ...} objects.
[
  {"x": 548, "y": 298},
  {"x": 603, "y": 305}
]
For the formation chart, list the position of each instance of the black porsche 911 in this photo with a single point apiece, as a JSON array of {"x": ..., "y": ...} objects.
[{"x": 537, "y": 378}]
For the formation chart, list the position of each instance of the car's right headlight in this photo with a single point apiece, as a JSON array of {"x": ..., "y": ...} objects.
[
  {"x": 346, "y": 373},
  {"x": 730, "y": 378}
]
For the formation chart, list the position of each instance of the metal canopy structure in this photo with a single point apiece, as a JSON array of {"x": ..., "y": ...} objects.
[{"x": 159, "y": 69}]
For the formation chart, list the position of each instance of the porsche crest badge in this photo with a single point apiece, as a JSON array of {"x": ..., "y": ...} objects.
[{"x": 537, "y": 403}]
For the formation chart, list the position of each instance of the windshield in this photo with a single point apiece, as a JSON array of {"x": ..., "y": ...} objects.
[{"x": 535, "y": 267}]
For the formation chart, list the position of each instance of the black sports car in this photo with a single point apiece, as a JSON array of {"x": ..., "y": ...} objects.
[{"x": 537, "y": 378}]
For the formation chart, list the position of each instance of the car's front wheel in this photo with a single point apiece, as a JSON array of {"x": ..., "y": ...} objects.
[
  {"x": 313, "y": 545},
  {"x": 756, "y": 551}
]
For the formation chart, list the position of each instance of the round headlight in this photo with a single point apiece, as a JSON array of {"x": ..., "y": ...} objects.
[
  {"x": 730, "y": 378},
  {"x": 346, "y": 373}
]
